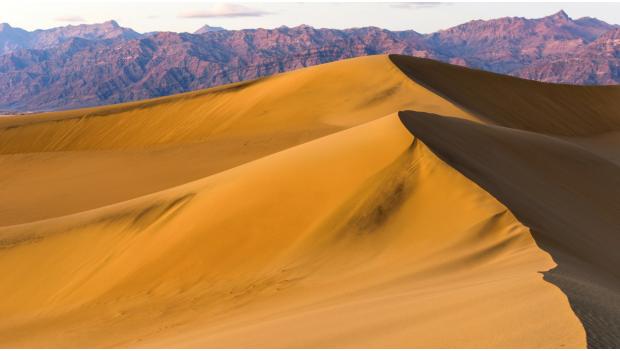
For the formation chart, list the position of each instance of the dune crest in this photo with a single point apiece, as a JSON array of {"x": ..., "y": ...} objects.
[
  {"x": 302, "y": 210},
  {"x": 109, "y": 154}
]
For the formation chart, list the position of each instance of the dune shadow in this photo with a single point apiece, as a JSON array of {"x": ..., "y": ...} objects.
[{"x": 566, "y": 195}]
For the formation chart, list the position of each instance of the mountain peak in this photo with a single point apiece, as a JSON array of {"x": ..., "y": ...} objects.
[
  {"x": 111, "y": 23},
  {"x": 207, "y": 28},
  {"x": 560, "y": 16}
]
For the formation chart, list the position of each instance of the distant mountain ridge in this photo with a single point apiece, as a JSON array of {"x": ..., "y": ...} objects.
[
  {"x": 13, "y": 39},
  {"x": 84, "y": 65},
  {"x": 207, "y": 28}
]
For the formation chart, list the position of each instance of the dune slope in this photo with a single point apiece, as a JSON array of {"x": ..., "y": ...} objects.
[
  {"x": 549, "y": 153},
  {"x": 314, "y": 246},
  {"x": 303, "y": 210},
  {"x": 555, "y": 109},
  {"x": 115, "y": 153},
  {"x": 566, "y": 194}
]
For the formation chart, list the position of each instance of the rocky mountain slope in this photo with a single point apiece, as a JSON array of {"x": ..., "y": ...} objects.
[
  {"x": 13, "y": 39},
  {"x": 98, "y": 64}
]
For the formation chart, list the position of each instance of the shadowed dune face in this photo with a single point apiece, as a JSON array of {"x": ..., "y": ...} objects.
[
  {"x": 555, "y": 109},
  {"x": 550, "y": 155},
  {"x": 566, "y": 194},
  {"x": 299, "y": 211}
]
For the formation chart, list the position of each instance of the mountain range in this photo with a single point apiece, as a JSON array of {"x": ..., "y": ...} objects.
[{"x": 96, "y": 64}]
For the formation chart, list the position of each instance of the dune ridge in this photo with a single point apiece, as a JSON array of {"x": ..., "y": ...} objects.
[
  {"x": 576, "y": 221},
  {"x": 302, "y": 210},
  {"x": 555, "y": 109},
  {"x": 109, "y": 153},
  {"x": 546, "y": 156}
]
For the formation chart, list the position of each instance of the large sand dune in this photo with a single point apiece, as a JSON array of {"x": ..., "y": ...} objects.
[{"x": 303, "y": 210}]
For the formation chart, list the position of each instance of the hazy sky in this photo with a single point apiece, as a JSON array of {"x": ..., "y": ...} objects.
[{"x": 182, "y": 16}]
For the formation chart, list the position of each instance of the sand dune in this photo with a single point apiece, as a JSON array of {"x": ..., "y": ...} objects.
[
  {"x": 568, "y": 196},
  {"x": 555, "y": 109},
  {"x": 109, "y": 154},
  {"x": 303, "y": 210}
]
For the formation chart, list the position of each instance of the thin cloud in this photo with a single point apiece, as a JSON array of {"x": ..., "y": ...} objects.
[
  {"x": 70, "y": 18},
  {"x": 224, "y": 10}
]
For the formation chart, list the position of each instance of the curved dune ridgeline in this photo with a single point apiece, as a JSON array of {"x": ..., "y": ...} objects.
[
  {"x": 303, "y": 210},
  {"x": 548, "y": 158},
  {"x": 568, "y": 196},
  {"x": 110, "y": 154},
  {"x": 555, "y": 109}
]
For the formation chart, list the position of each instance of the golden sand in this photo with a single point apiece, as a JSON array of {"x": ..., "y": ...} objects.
[{"x": 292, "y": 211}]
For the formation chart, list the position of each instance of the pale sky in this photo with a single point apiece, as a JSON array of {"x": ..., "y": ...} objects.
[{"x": 183, "y": 16}]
